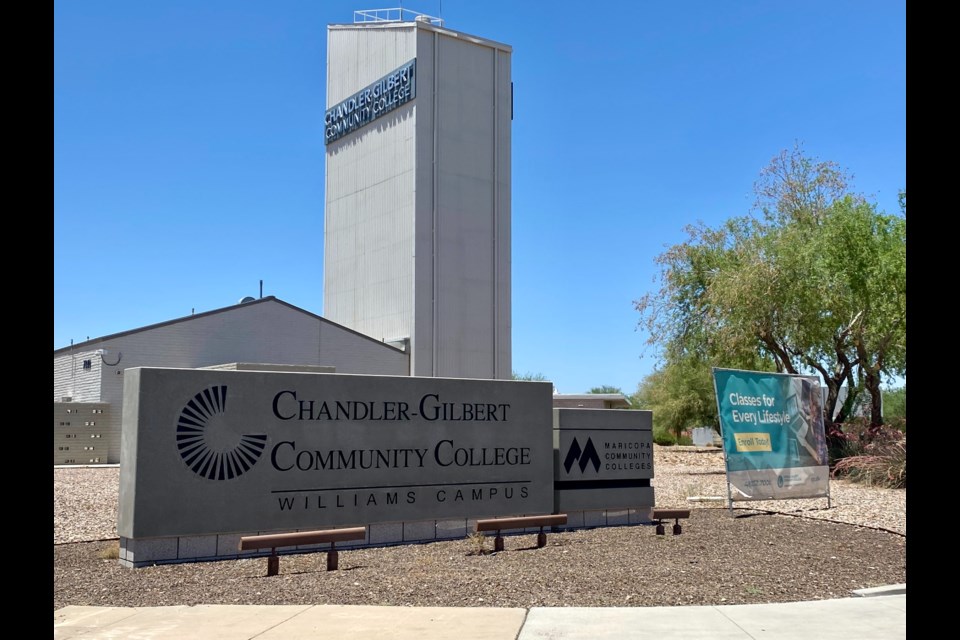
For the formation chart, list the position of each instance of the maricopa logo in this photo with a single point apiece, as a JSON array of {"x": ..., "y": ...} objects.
[
  {"x": 586, "y": 455},
  {"x": 206, "y": 444}
]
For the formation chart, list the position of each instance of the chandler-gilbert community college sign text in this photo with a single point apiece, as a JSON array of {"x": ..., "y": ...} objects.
[
  {"x": 375, "y": 101},
  {"x": 208, "y": 452}
]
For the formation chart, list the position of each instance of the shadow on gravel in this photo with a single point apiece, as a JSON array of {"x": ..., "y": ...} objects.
[
  {"x": 321, "y": 569},
  {"x": 752, "y": 515}
]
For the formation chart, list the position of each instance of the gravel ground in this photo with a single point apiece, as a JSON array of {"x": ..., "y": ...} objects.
[{"x": 783, "y": 551}]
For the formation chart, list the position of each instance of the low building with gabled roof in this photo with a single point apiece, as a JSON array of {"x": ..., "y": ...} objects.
[{"x": 265, "y": 333}]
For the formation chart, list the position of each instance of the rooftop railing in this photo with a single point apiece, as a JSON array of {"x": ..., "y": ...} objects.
[{"x": 398, "y": 14}]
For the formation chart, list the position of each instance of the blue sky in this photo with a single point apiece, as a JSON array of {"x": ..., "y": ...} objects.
[{"x": 189, "y": 156}]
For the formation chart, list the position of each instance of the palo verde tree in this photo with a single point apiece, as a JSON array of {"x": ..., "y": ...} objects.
[
  {"x": 680, "y": 391},
  {"x": 815, "y": 281},
  {"x": 680, "y": 395}
]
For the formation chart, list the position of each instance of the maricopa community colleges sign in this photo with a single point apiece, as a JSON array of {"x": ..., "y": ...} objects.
[
  {"x": 773, "y": 434},
  {"x": 206, "y": 451},
  {"x": 604, "y": 459}
]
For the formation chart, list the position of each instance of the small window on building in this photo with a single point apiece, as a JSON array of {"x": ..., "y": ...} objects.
[{"x": 87, "y": 364}]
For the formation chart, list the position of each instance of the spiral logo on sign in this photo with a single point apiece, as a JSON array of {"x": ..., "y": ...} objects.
[{"x": 205, "y": 442}]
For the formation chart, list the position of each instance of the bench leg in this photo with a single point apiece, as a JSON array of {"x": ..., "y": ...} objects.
[
  {"x": 660, "y": 530},
  {"x": 676, "y": 528},
  {"x": 332, "y": 558},
  {"x": 273, "y": 563},
  {"x": 541, "y": 539},
  {"x": 498, "y": 542}
]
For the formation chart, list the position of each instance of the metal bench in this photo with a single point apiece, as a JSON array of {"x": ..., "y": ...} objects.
[
  {"x": 275, "y": 540},
  {"x": 521, "y": 522},
  {"x": 659, "y": 515}
]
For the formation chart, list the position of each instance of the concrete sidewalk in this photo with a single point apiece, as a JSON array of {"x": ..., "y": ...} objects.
[{"x": 883, "y": 617}]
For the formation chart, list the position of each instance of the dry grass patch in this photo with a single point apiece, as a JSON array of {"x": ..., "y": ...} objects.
[{"x": 111, "y": 551}]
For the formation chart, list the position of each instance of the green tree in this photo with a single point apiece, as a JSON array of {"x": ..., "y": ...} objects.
[
  {"x": 814, "y": 283},
  {"x": 863, "y": 259},
  {"x": 529, "y": 377},
  {"x": 606, "y": 389},
  {"x": 680, "y": 394},
  {"x": 895, "y": 403}
]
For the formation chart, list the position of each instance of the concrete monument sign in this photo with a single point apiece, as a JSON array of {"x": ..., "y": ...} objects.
[
  {"x": 206, "y": 451},
  {"x": 603, "y": 459}
]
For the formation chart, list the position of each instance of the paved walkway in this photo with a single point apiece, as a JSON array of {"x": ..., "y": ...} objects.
[{"x": 880, "y": 614}]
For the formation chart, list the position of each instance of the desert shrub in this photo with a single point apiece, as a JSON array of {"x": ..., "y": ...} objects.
[
  {"x": 880, "y": 461},
  {"x": 900, "y": 424},
  {"x": 853, "y": 438},
  {"x": 664, "y": 437},
  {"x": 667, "y": 438},
  {"x": 478, "y": 543},
  {"x": 844, "y": 441},
  {"x": 111, "y": 551}
]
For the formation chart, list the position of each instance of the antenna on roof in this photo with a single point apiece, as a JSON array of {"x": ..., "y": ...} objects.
[{"x": 261, "y": 288}]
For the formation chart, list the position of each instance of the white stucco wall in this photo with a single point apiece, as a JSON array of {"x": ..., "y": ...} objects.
[
  {"x": 368, "y": 219},
  {"x": 463, "y": 208},
  {"x": 417, "y": 218}
]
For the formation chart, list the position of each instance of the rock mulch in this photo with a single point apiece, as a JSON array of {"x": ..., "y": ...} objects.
[{"x": 782, "y": 551}]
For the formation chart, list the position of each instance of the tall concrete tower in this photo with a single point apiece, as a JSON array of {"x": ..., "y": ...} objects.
[{"x": 417, "y": 216}]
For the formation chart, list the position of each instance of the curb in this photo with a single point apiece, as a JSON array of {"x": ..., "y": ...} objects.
[{"x": 890, "y": 590}]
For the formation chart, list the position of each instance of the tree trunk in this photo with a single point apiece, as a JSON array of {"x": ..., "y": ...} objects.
[
  {"x": 876, "y": 401},
  {"x": 871, "y": 371}
]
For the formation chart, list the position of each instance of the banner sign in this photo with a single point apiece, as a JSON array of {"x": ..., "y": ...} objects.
[{"x": 773, "y": 434}]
